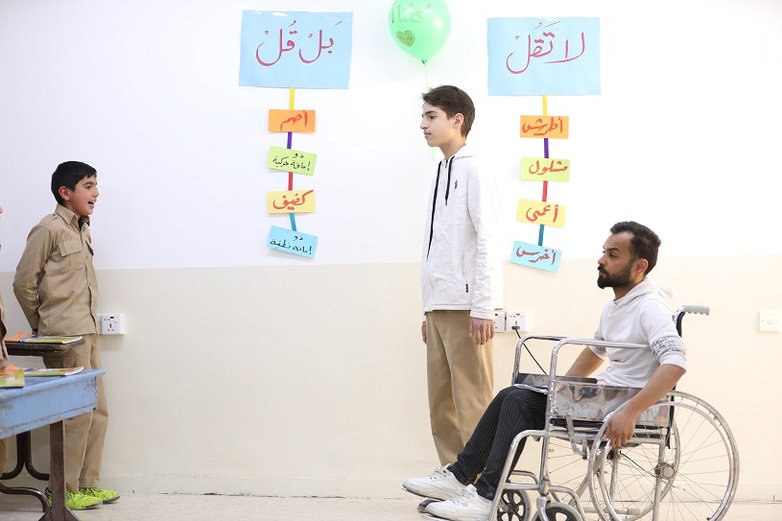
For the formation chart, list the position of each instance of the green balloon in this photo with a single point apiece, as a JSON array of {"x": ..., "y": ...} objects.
[{"x": 419, "y": 27}]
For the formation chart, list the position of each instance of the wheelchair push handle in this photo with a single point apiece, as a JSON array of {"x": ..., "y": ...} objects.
[
  {"x": 689, "y": 308},
  {"x": 698, "y": 310}
]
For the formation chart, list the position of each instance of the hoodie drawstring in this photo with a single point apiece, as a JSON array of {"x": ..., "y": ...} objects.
[{"x": 448, "y": 162}]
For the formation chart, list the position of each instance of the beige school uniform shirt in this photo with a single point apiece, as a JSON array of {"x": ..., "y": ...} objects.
[{"x": 55, "y": 281}]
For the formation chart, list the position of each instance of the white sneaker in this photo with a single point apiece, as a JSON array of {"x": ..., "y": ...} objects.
[
  {"x": 467, "y": 506},
  {"x": 440, "y": 484}
]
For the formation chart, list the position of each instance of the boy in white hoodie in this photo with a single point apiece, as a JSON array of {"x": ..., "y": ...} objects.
[
  {"x": 461, "y": 275},
  {"x": 639, "y": 313}
]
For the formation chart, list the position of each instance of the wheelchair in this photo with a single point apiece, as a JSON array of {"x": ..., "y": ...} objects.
[{"x": 681, "y": 464}]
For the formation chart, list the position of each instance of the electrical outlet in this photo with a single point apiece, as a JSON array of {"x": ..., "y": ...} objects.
[
  {"x": 770, "y": 321},
  {"x": 517, "y": 318},
  {"x": 112, "y": 324},
  {"x": 499, "y": 320}
]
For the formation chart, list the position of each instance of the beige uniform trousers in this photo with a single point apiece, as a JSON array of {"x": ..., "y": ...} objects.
[
  {"x": 84, "y": 434},
  {"x": 460, "y": 378},
  {"x": 3, "y": 454}
]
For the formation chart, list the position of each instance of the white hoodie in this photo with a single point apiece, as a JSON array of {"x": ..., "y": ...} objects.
[
  {"x": 462, "y": 263},
  {"x": 643, "y": 316}
]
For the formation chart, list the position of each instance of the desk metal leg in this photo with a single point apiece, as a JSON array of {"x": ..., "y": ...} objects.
[
  {"x": 59, "y": 510},
  {"x": 24, "y": 445},
  {"x": 28, "y": 491},
  {"x": 20, "y": 459},
  {"x": 24, "y": 459}
]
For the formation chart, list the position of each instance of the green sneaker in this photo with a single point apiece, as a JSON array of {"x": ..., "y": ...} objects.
[
  {"x": 107, "y": 496},
  {"x": 76, "y": 500}
]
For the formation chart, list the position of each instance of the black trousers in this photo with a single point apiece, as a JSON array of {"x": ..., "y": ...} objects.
[{"x": 513, "y": 410}]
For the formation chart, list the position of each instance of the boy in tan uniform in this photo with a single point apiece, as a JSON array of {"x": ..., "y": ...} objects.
[{"x": 57, "y": 289}]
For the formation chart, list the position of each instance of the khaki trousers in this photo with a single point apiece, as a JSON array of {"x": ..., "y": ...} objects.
[
  {"x": 84, "y": 434},
  {"x": 460, "y": 380}
]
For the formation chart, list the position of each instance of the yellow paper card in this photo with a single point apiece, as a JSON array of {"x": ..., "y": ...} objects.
[
  {"x": 541, "y": 212},
  {"x": 291, "y": 201}
]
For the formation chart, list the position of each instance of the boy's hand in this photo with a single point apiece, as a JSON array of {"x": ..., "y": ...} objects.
[{"x": 481, "y": 330}]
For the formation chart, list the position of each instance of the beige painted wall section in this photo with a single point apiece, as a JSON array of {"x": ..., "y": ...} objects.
[{"x": 310, "y": 380}]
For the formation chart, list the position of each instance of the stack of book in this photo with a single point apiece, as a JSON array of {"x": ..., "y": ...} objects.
[
  {"x": 13, "y": 376},
  {"x": 24, "y": 338}
]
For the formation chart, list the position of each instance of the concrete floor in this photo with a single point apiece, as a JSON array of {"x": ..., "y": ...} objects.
[{"x": 176, "y": 507}]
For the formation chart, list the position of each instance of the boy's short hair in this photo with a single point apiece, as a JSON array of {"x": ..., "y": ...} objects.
[
  {"x": 645, "y": 242},
  {"x": 69, "y": 174},
  {"x": 452, "y": 100}
]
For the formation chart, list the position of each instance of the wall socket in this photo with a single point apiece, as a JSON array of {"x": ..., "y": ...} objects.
[
  {"x": 112, "y": 323},
  {"x": 499, "y": 320},
  {"x": 505, "y": 320},
  {"x": 770, "y": 321},
  {"x": 516, "y": 318}
]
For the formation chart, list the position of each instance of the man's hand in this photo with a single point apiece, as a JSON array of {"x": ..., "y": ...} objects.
[
  {"x": 621, "y": 428},
  {"x": 481, "y": 330},
  {"x": 423, "y": 330}
]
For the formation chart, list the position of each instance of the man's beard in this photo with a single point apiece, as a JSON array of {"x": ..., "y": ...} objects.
[{"x": 614, "y": 281}]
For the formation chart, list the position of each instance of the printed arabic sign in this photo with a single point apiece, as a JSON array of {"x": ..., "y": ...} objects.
[
  {"x": 544, "y": 56},
  {"x": 296, "y": 49}
]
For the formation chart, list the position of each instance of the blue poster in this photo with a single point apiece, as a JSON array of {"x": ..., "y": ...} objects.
[
  {"x": 296, "y": 49},
  {"x": 544, "y": 56}
]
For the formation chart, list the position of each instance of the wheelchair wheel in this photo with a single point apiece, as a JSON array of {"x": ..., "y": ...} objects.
[
  {"x": 514, "y": 506},
  {"x": 559, "y": 512},
  {"x": 686, "y": 472}
]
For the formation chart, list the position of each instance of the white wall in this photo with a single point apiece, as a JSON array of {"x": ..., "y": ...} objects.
[
  {"x": 246, "y": 371},
  {"x": 310, "y": 380},
  {"x": 148, "y": 92}
]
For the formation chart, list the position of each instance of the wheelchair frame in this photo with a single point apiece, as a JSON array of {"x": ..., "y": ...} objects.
[{"x": 659, "y": 475}]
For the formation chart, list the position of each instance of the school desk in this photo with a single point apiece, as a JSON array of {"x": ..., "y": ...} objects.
[{"x": 48, "y": 400}]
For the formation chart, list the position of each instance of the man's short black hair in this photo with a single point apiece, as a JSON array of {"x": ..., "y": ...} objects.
[
  {"x": 69, "y": 174},
  {"x": 645, "y": 242}
]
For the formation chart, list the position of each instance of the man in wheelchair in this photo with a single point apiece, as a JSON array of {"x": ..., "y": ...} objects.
[{"x": 639, "y": 313}]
